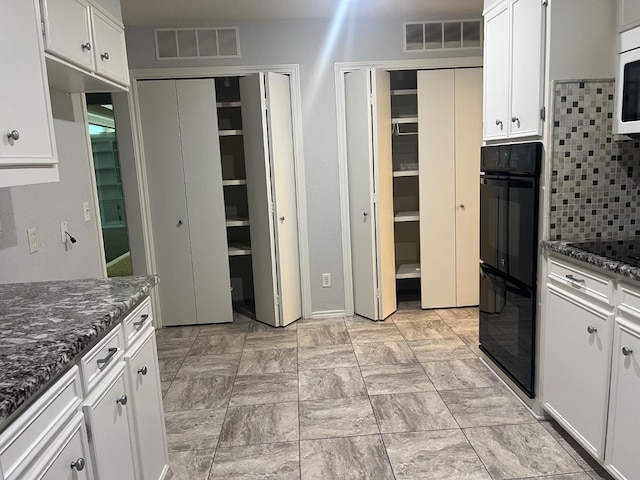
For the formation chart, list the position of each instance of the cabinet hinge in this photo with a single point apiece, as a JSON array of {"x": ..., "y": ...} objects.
[
  {"x": 375, "y": 198},
  {"x": 42, "y": 27},
  {"x": 277, "y": 299},
  {"x": 371, "y": 99},
  {"x": 543, "y": 113},
  {"x": 378, "y": 293}
]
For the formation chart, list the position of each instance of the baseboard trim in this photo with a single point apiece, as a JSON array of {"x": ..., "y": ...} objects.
[{"x": 328, "y": 314}]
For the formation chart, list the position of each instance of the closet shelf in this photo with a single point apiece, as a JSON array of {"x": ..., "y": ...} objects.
[
  {"x": 229, "y": 133},
  {"x": 406, "y": 91},
  {"x": 408, "y": 270},
  {"x": 237, "y": 249},
  {"x": 405, "y": 119},
  {"x": 407, "y": 217},
  {"x": 237, "y": 222},
  {"x": 228, "y": 104},
  {"x": 229, "y": 183},
  {"x": 405, "y": 173}
]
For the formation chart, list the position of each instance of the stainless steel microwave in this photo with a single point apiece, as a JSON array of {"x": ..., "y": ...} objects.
[{"x": 627, "y": 97}]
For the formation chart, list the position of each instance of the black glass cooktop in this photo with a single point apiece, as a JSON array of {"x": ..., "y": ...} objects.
[{"x": 626, "y": 251}]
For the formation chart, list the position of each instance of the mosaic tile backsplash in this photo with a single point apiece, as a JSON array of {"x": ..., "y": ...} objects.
[{"x": 595, "y": 188}]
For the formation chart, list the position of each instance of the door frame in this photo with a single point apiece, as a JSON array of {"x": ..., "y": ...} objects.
[
  {"x": 340, "y": 69},
  {"x": 293, "y": 70}
]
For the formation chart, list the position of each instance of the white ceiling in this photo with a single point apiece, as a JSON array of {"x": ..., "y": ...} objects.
[{"x": 178, "y": 13}]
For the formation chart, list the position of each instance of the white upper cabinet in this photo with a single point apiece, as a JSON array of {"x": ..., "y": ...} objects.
[
  {"x": 27, "y": 143},
  {"x": 85, "y": 47},
  {"x": 67, "y": 26},
  {"x": 514, "y": 56},
  {"x": 628, "y": 14},
  {"x": 110, "y": 51}
]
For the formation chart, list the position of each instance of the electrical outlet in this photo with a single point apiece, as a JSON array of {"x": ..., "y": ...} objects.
[
  {"x": 63, "y": 232},
  {"x": 87, "y": 212},
  {"x": 33, "y": 240},
  {"x": 326, "y": 280}
]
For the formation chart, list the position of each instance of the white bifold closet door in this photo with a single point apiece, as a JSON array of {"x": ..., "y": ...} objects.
[
  {"x": 184, "y": 177},
  {"x": 271, "y": 194},
  {"x": 368, "y": 118}
]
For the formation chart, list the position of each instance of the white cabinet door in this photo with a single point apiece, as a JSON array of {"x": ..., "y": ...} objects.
[
  {"x": 202, "y": 167},
  {"x": 468, "y": 139},
  {"x": 146, "y": 400},
  {"x": 624, "y": 422},
  {"x": 527, "y": 40},
  {"x": 496, "y": 73},
  {"x": 68, "y": 457},
  {"x": 68, "y": 31},
  {"x": 269, "y": 156},
  {"x": 107, "y": 413},
  {"x": 165, "y": 178},
  {"x": 577, "y": 351},
  {"x": 110, "y": 51},
  {"x": 437, "y": 156},
  {"x": 24, "y": 103},
  {"x": 628, "y": 14}
]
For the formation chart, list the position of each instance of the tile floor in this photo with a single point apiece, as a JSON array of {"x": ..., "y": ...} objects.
[{"x": 347, "y": 398}]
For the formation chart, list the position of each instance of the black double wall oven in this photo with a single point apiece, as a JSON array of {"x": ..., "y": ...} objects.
[{"x": 509, "y": 185}]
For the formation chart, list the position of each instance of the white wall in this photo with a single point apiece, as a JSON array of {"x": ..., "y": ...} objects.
[
  {"x": 306, "y": 43},
  {"x": 45, "y": 206}
]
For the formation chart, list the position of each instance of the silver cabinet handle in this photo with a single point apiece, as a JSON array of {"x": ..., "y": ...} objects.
[
  {"x": 365, "y": 213},
  {"x": 180, "y": 222},
  {"x": 143, "y": 371},
  {"x": 86, "y": 46},
  {"x": 105, "y": 56},
  {"x": 78, "y": 464},
  {"x": 122, "y": 400},
  {"x": 514, "y": 119},
  {"x": 103, "y": 361},
  {"x": 591, "y": 329},
  {"x": 139, "y": 323},
  {"x": 626, "y": 351},
  {"x": 462, "y": 206},
  {"x": 282, "y": 219},
  {"x": 499, "y": 123},
  {"x": 575, "y": 279},
  {"x": 13, "y": 135}
]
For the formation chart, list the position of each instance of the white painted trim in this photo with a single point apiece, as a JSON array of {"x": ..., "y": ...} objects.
[
  {"x": 293, "y": 70},
  {"x": 97, "y": 219},
  {"x": 118, "y": 259},
  {"x": 340, "y": 69},
  {"x": 328, "y": 314}
]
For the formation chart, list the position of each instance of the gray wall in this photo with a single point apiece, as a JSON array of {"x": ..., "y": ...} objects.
[
  {"x": 45, "y": 206},
  {"x": 305, "y": 43}
]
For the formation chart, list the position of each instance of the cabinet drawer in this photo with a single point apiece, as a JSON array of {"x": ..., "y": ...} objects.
[
  {"x": 96, "y": 364},
  {"x": 577, "y": 279},
  {"x": 25, "y": 437},
  {"x": 68, "y": 458},
  {"x": 630, "y": 301},
  {"x": 136, "y": 321}
]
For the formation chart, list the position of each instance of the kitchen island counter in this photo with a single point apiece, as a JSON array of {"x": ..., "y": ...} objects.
[{"x": 46, "y": 326}]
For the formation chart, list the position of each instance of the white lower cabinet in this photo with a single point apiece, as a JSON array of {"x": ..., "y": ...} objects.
[
  {"x": 146, "y": 404},
  {"x": 108, "y": 413},
  {"x": 68, "y": 457},
  {"x": 577, "y": 351},
  {"x": 624, "y": 422}
]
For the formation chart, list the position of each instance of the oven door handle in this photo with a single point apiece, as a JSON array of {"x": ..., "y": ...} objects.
[{"x": 500, "y": 280}]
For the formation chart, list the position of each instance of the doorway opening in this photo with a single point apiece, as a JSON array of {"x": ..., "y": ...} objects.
[{"x": 113, "y": 218}]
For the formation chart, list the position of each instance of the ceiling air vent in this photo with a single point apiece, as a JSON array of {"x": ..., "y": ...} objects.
[
  {"x": 452, "y": 34},
  {"x": 201, "y": 42}
]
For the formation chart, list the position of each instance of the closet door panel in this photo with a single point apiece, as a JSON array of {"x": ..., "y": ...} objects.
[
  {"x": 259, "y": 197},
  {"x": 165, "y": 179},
  {"x": 436, "y": 149},
  {"x": 383, "y": 171},
  {"x": 205, "y": 199},
  {"x": 280, "y": 128},
  {"x": 468, "y": 135},
  {"x": 360, "y": 171}
]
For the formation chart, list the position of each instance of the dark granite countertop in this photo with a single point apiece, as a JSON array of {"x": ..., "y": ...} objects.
[
  {"x": 608, "y": 265},
  {"x": 44, "y": 326}
]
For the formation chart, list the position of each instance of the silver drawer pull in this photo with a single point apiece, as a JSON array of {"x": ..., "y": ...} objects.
[
  {"x": 85, "y": 46},
  {"x": 626, "y": 351},
  {"x": 103, "y": 361},
  {"x": 104, "y": 56},
  {"x": 13, "y": 135},
  {"x": 574, "y": 279},
  {"x": 143, "y": 318},
  {"x": 122, "y": 400},
  {"x": 78, "y": 464},
  {"x": 143, "y": 371},
  {"x": 591, "y": 329}
]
